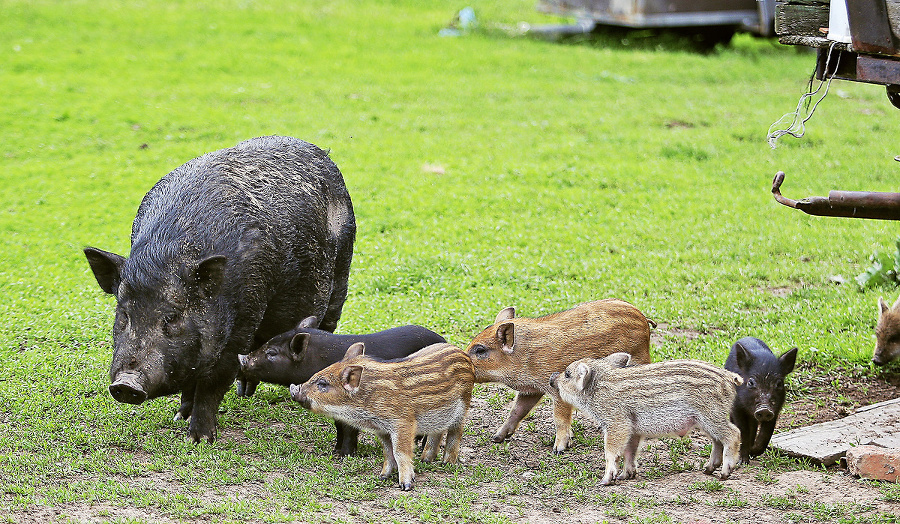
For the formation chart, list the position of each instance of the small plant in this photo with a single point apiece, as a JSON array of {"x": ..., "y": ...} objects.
[
  {"x": 708, "y": 486},
  {"x": 883, "y": 271}
]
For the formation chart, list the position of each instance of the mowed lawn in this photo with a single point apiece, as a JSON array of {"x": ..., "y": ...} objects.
[{"x": 486, "y": 170}]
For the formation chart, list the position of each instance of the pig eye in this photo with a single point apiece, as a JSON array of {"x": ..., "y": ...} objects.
[
  {"x": 568, "y": 374},
  {"x": 271, "y": 352},
  {"x": 479, "y": 351},
  {"x": 171, "y": 318},
  {"x": 322, "y": 384},
  {"x": 751, "y": 383}
]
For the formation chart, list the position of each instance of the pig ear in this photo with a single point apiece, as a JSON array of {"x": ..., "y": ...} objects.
[
  {"x": 584, "y": 375},
  {"x": 619, "y": 360},
  {"x": 299, "y": 343},
  {"x": 310, "y": 322},
  {"x": 507, "y": 313},
  {"x": 744, "y": 358},
  {"x": 506, "y": 336},
  {"x": 788, "y": 359},
  {"x": 209, "y": 275},
  {"x": 350, "y": 378},
  {"x": 896, "y": 305},
  {"x": 355, "y": 350},
  {"x": 107, "y": 268}
]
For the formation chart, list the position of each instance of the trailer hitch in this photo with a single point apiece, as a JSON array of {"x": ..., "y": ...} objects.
[{"x": 851, "y": 204}]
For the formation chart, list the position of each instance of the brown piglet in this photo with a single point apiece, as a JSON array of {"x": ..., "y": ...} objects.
[
  {"x": 427, "y": 393},
  {"x": 662, "y": 399},
  {"x": 887, "y": 333},
  {"x": 523, "y": 352}
]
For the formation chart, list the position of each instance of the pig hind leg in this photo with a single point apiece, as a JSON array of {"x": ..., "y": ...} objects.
[
  {"x": 524, "y": 403},
  {"x": 339, "y": 289},
  {"x": 562, "y": 416},
  {"x": 630, "y": 462},
  {"x": 454, "y": 439},
  {"x": 432, "y": 446}
]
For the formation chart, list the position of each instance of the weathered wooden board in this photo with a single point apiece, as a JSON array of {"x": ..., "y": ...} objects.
[
  {"x": 802, "y": 20},
  {"x": 827, "y": 442}
]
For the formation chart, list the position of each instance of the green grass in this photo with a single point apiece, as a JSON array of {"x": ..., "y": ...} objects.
[{"x": 570, "y": 171}]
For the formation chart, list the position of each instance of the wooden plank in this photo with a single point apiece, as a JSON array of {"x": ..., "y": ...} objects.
[
  {"x": 827, "y": 442},
  {"x": 803, "y": 20}
]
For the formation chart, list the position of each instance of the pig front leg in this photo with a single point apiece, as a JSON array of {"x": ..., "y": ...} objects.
[
  {"x": 245, "y": 388},
  {"x": 346, "y": 440},
  {"x": 524, "y": 403},
  {"x": 208, "y": 395},
  {"x": 614, "y": 442},
  {"x": 747, "y": 427},
  {"x": 562, "y": 416},
  {"x": 766, "y": 428},
  {"x": 390, "y": 463},
  {"x": 404, "y": 441},
  {"x": 187, "y": 403}
]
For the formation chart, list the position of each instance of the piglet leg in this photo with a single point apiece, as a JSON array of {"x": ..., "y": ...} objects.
[{"x": 524, "y": 403}]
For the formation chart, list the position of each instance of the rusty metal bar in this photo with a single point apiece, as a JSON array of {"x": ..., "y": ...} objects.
[{"x": 850, "y": 204}]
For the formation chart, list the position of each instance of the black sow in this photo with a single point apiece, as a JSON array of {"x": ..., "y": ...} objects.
[
  {"x": 227, "y": 251},
  {"x": 760, "y": 398}
]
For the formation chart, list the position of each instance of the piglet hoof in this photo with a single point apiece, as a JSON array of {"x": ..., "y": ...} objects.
[
  {"x": 180, "y": 416},
  {"x": 406, "y": 486},
  {"x": 500, "y": 438},
  {"x": 606, "y": 481}
]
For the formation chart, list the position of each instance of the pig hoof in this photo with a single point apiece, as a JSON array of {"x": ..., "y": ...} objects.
[
  {"x": 499, "y": 439},
  {"x": 406, "y": 486},
  {"x": 179, "y": 416}
]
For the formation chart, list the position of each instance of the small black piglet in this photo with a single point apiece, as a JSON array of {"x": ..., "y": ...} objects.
[{"x": 760, "y": 398}]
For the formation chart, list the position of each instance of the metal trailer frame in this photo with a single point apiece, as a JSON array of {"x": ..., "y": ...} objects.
[{"x": 757, "y": 16}]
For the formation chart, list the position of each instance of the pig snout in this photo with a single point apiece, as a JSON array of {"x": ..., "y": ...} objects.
[
  {"x": 764, "y": 413},
  {"x": 128, "y": 389},
  {"x": 299, "y": 395},
  {"x": 877, "y": 360},
  {"x": 553, "y": 378}
]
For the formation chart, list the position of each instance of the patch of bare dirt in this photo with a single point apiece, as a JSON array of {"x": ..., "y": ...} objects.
[{"x": 537, "y": 487}]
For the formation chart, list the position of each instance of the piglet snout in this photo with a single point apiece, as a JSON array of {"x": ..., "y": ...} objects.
[
  {"x": 553, "y": 378},
  {"x": 764, "y": 414}
]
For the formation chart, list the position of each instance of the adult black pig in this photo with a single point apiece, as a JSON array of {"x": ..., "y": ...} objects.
[
  {"x": 296, "y": 355},
  {"x": 227, "y": 251},
  {"x": 760, "y": 398}
]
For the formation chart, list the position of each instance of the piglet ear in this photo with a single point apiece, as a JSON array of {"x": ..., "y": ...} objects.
[
  {"x": 310, "y": 322},
  {"x": 896, "y": 306},
  {"x": 506, "y": 336},
  {"x": 788, "y": 359},
  {"x": 882, "y": 307},
  {"x": 299, "y": 343},
  {"x": 507, "y": 313},
  {"x": 584, "y": 375},
  {"x": 619, "y": 360},
  {"x": 350, "y": 378},
  {"x": 209, "y": 275},
  {"x": 743, "y": 357},
  {"x": 356, "y": 350},
  {"x": 107, "y": 268}
]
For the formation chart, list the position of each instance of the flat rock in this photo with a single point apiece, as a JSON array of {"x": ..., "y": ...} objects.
[{"x": 825, "y": 443}]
